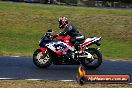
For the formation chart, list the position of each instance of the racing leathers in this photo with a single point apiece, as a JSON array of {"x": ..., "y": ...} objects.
[
  {"x": 74, "y": 33},
  {"x": 76, "y": 36}
]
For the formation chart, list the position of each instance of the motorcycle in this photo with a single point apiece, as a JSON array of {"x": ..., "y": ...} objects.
[{"x": 60, "y": 51}]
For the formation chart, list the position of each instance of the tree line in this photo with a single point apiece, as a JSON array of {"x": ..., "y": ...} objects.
[{"x": 104, "y": 3}]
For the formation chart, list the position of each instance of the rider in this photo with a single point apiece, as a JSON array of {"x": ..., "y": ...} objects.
[{"x": 69, "y": 29}]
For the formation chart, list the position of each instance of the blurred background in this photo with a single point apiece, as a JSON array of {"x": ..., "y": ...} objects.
[{"x": 87, "y": 3}]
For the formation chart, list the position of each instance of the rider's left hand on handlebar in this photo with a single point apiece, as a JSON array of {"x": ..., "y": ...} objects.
[{"x": 54, "y": 36}]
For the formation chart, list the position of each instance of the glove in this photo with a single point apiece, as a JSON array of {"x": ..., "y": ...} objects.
[{"x": 55, "y": 36}]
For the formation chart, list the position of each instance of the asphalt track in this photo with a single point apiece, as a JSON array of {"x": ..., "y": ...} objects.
[{"x": 22, "y": 68}]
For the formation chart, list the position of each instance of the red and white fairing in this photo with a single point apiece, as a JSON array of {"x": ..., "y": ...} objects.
[{"x": 88, "y": 41}]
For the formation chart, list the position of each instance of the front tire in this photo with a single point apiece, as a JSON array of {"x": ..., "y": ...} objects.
[
  {"x": 41, "y": 60},
  {"x": 97, "y": 59}
]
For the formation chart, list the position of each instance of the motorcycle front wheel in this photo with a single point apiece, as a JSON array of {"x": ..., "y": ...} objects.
[
  {"x": 41, "y": 60},
  {"x": 97, "y": 59}
]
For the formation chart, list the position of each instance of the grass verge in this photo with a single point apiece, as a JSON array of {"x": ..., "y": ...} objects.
[{"x": 55, "y": 84}]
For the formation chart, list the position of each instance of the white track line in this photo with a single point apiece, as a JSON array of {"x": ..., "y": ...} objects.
[
  {"x": 34, "y": 79},
  {"x": 120, "y": 60},
  {"x": 67, "y": 80},
  {"x": 14, "y": 56},
  {"x": 6, "y": 78},
  {"x": 56, "y": 80}
]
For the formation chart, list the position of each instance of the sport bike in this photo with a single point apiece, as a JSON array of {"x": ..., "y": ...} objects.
[{"x": 60, "y": 51}]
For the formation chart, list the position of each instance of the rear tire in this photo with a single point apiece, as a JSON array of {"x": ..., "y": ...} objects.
[
  {"x": 41, "y": 60},
  {"x": 91, "y": 65}
]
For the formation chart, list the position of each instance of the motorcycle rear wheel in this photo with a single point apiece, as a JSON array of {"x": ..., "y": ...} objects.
[
  {"x": 41, "y": 60},
  {"x": 97, "y": 59}
]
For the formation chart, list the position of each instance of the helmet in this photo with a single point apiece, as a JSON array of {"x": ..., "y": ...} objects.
[{"x": 62, "y": 22}]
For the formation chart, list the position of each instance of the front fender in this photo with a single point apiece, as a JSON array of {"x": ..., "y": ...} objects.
[{"x": 43, "y": 49}]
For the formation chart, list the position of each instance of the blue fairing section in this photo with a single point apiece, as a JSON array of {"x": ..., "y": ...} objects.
[
  {"x": 62, "y": 45},
  {"x": 43, "y": 40},
  {"x": 57, "y": 44}
]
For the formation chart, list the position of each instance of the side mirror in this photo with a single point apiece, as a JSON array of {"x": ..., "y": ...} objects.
[{"x": 50, "y": 30}]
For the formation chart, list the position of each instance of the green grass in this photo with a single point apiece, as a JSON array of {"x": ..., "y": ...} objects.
[
  {"x": 56, "y": 84},
  {"x": 23, "y": 24}
]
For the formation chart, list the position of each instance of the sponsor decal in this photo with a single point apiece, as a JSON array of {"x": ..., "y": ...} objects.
[{"x": 101, "y": 78}]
